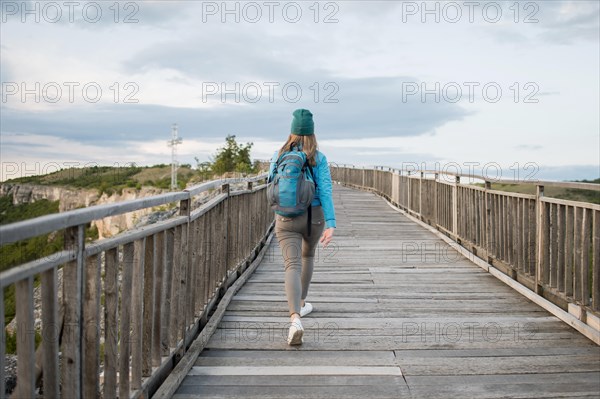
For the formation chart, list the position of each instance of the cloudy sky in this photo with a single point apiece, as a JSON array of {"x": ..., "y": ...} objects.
[{"x": 439, "y": 84}]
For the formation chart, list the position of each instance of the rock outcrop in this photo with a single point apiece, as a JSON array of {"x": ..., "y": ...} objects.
[{"x": 70, "y": 198}]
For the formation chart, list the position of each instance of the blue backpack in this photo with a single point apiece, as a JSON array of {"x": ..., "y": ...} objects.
[{"x": 291, "y": 189}]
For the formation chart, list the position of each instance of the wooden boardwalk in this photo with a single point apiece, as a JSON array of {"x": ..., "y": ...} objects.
[{"x": 397, "y": 313}]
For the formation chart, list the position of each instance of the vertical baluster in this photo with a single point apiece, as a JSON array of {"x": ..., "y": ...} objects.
[
  {"x": 533, "y": 237},
  {"x": 192, "y": 286},
  {"x": 578, "y": 242},
  {"x": 175, "y": 287},
  {"x": 518, "y": 234},
  {"x": 508, "y": 231},
  {"x": 159, "y": 266},
  {"x": 125, "y": 322},
  {"x": 586, "y": 230},
  {"x": 111, "y": 325},
  {"x": 72, "y": 300},
  {"x": 552, "y": 267},
  {"x": 560, "y": 253},
  {"x": 569, "y": 251},
  {"x": 148, "y": 305},
  {"x": 167, "y": 291},
  {"x": 91, "y": 327},
  {"x": 25, "y": 339},
  {"x": 50, "y": 333},
  {"x": 596, "y": 264},
  {"x": 204, "y": 282},
  {"x": 184, "y": 210},
  {"x": 137, "y": 293},
  {"x": 541, "y": 237}
]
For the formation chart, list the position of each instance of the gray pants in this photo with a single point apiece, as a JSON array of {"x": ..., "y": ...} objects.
[{"x": 298, "y": 252}]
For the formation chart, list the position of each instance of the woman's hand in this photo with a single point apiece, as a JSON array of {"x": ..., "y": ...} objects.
[{"x": 327, "y": 236}]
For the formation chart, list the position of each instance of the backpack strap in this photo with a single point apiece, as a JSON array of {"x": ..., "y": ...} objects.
[{"x": 309, "y": 218}]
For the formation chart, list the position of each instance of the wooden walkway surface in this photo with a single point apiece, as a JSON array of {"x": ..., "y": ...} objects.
[{"x": 397, "y": 314}]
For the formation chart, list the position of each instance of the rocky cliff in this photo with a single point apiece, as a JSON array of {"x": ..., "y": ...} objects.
[{"x": 70, "y": 198}]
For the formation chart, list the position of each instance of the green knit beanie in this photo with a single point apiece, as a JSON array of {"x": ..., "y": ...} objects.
[{"x": 303, "y": 124}]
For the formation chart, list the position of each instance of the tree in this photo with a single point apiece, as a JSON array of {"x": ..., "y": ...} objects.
[
  {"x": 204, "y": 169},
  {"x": 233, "y": 157}
]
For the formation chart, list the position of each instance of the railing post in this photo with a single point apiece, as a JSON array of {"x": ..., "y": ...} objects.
[
  {"x": 363, "y": 176},
  {"x": 540, "y": 227},
  {"x": 435, "y": 198},
  {"x": 421, "y": 195},
  {"x": 455, "y": 206},
  {"x": 225, "y": 189},
  {"x": 488, "y": 225},
  {"x": 409, "y": 196}
]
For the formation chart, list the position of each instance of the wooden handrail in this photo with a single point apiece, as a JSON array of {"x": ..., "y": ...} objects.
[
  {"x": 173, "y": 273},
  {"x": 547, "y": 183}
]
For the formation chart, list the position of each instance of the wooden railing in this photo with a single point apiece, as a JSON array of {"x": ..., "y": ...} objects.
[
  {"x": 550, "y": 245},
  {"x": 153, "y": 286}
]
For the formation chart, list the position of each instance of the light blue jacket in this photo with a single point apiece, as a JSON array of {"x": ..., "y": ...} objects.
[{"x": 323, "y": 195}]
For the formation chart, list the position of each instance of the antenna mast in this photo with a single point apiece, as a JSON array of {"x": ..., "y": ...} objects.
[{"x": 173, "y": 143}]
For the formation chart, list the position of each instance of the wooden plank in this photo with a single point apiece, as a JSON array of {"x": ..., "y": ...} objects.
[
  {"x": 300, "y": 390},
  {"x": 196, "y": 382},
  {"x": 125, "y": 321},
  {"x": 510, "y": 219},
  {"x": 91, "y": 327},
  {"x": 596, "y": 264},
  {"x": 518, "y": 235},
  {"x": 137, "y": 320},
  {"x": 111, "y": 326},
  {"x": 507, "y": 385},
  {"x": 294, "y": 370},
  {"x": 182, "y": 321},
  {"x": 569, "y": 251},
  {"x": 544, "y": 277},
  {"x": 50, "y": 333},
  {"x": 491, "y": 365},
  {"x": 201, "y": 276},
  {"x": 159, "y": 266},
  {"x": 560, "y": 254},
  {"x": 25, "y": 343},
  {"x": 228, "y": 357},
  {"x": 320, "y": 299},
  {"x": 174, "y": 323},
  {"x": 553, "y": 243},
  {"x": 194, "y": 272},
  {"x": 578, "y": 266},
  {"x": 148, "y": 306},
  {"x": 586, "y": 232},
  {"x": 71, "y": 378},
  {"x": 167, "y": 292}
]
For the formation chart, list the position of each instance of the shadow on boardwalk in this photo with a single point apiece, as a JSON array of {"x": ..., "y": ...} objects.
[{"x": 397, "y": 313}]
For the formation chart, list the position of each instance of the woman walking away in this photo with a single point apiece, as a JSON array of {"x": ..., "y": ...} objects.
[{"x": 297, "y": 237}]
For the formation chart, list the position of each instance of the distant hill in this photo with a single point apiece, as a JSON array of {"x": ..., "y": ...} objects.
[
  {"x": 111, "y": 179},
  {"x": 554, "y": 192}
]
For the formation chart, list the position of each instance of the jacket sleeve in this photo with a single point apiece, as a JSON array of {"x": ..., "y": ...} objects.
[
  {"x": 325, "y": 189},
  {"x": 272, "y": 166}
]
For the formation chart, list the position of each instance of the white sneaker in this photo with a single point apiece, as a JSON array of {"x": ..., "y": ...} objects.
[
  {"x": 306, "y": 309},
  {"x": 295, "y": 333}
]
